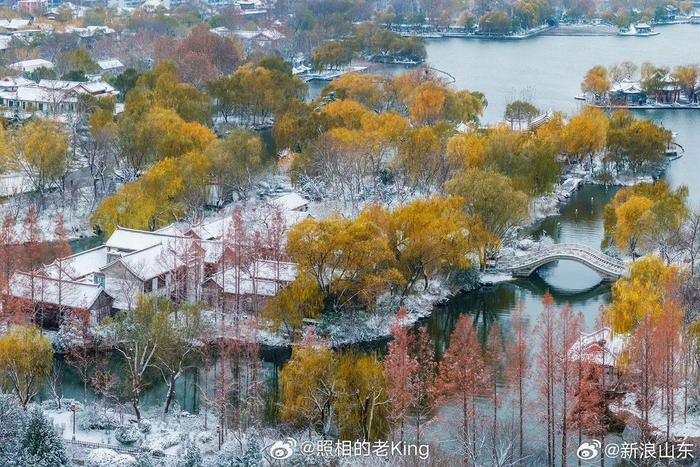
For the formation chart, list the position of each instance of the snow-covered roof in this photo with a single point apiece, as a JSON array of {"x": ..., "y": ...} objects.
[
  {"x": 149, "y": 262},
  {"x": 246, "y": 35},
  {"x": 600, "y": 347},
  {"x": 152, "y": 5},
  {"x": 291, "y": 201},
  {"x": 14, "y": 23},
  {"x": 40, "y": 94},
  {"x": 15, "y": 81},
  {"x": 171, "y": 229},
  {"x": 110, "y": 64},
  {"x": 627, "y": 86},
  {"x": 264, "y": 34},
  {"x": 274, "y": 270},
  {"x": 31, "y": 65},
  {"x": 463, "y": 128},
  {"x": 212, "y": 251},
  {"x": 79, "y": 265},
  {"x": 59, "y": 84},
  {"x": 222, "y": 31},
  {"x": 97, "y": 88},
  {"x": 128, "y": 240},
  {"x": 264, "y": 276},
  {"x": 246, "y": 286},
  {"x": 72, "y": 294},
  {"x": 89, "y": 31},
  {"x": 213, "y": 229},
  {"x": 51, "y": 91},
  {"x": 299, "y": 69},
  {"x": 272, "y": 34},
  {"x": 5, "y": 42}
]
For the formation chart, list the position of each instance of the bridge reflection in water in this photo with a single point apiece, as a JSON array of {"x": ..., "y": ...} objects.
[{"x": 608, "y": 267}]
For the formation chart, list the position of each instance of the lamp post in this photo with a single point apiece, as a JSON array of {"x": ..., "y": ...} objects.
[{"x": 74, "y": 409}]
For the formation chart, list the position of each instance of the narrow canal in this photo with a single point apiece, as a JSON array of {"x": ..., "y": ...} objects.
[{"x": 547, "y": 71}]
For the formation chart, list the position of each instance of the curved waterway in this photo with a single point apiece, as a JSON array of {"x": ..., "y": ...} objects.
[{"x": 548, "y": 71}]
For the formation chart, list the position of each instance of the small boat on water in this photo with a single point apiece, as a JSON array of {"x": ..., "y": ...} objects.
[{"x": 639, "y": 30}]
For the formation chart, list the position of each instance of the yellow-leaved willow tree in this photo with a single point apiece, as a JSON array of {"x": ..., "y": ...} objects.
[
  {"x": 647, "y": 292},
  {"x": 334, "y": 393},
  {"x": 645, "y": 217}
]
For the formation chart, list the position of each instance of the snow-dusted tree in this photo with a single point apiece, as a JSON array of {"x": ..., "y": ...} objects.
[
  {"x": 516, "y": 372},
  {"x": 253, "y": 457},
  {"x": 546, "y": 366},
  {"x": 61, "y": 249},
  {"x": 249, "y": 384},
  {"x": 82, "y": 355},
  {"x": 309, "y": 385},
  {"x": 643, "y": 367},
  {"x": 667, "y": 356},
  {"x": 8, "y": 260},
  {"x": 423, "y": 379},
  {"x": 193, "y": 456},
  {"x": 461, "y": 377},
  {"x": 494, "y": 366},
  {"x": 55, "y": 383},
  {"x": 138, "y": 337},
  {"x": 31, "y": 259},
  {"x": 399, "y": 366},
  {"x": 236, "y": 247},
  {"x": 179, "y": 342},
  {"x": 26, "y": 360},
  {"x": 41, "y": 445},
  {"x": 568, "y": 325},
  {"x": 588, "y": 414},
  {"x": 12, "y": 422}
]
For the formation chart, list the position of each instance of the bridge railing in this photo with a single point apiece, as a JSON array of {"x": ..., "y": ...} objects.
[{"x": 582, "y": 252}]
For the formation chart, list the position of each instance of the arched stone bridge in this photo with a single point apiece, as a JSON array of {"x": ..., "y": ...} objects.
[{"x": 608, "y": 267}]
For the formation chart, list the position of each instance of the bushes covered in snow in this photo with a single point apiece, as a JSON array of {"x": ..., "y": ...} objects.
[
  {"x": 109, "y": 458},
  {"x": 12, "y": 422},
  {"x": 28, "y": 440},
  {"x": 128, "y": 435},
  {"x": 164, "y": 440},
  {"x": 231, "y": 456},
  {"x": 94, "y": 419},
  {"x": 41, "y": 445}
]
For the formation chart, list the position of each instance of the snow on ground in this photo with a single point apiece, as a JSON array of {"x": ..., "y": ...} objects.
[
  {"x": 494, "y": 277},
  {"x": 156, "y": 432},
  {"x": 163, "y": 436},
  {"x": 76, "y": 212},
  {"x": 690, "y": 428},
  {"x": 103, "y": 457}
]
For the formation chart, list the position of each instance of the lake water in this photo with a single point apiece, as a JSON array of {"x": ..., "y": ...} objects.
[{"x": 547, "y": 71}]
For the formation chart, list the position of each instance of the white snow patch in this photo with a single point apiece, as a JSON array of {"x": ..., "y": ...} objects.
[{"x": 103, "y": 457}]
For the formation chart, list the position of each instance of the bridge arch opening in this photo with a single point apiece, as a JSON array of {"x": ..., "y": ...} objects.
[
  {"x": 568, "y": 277},
  {"x": 607, "y": 267}
]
